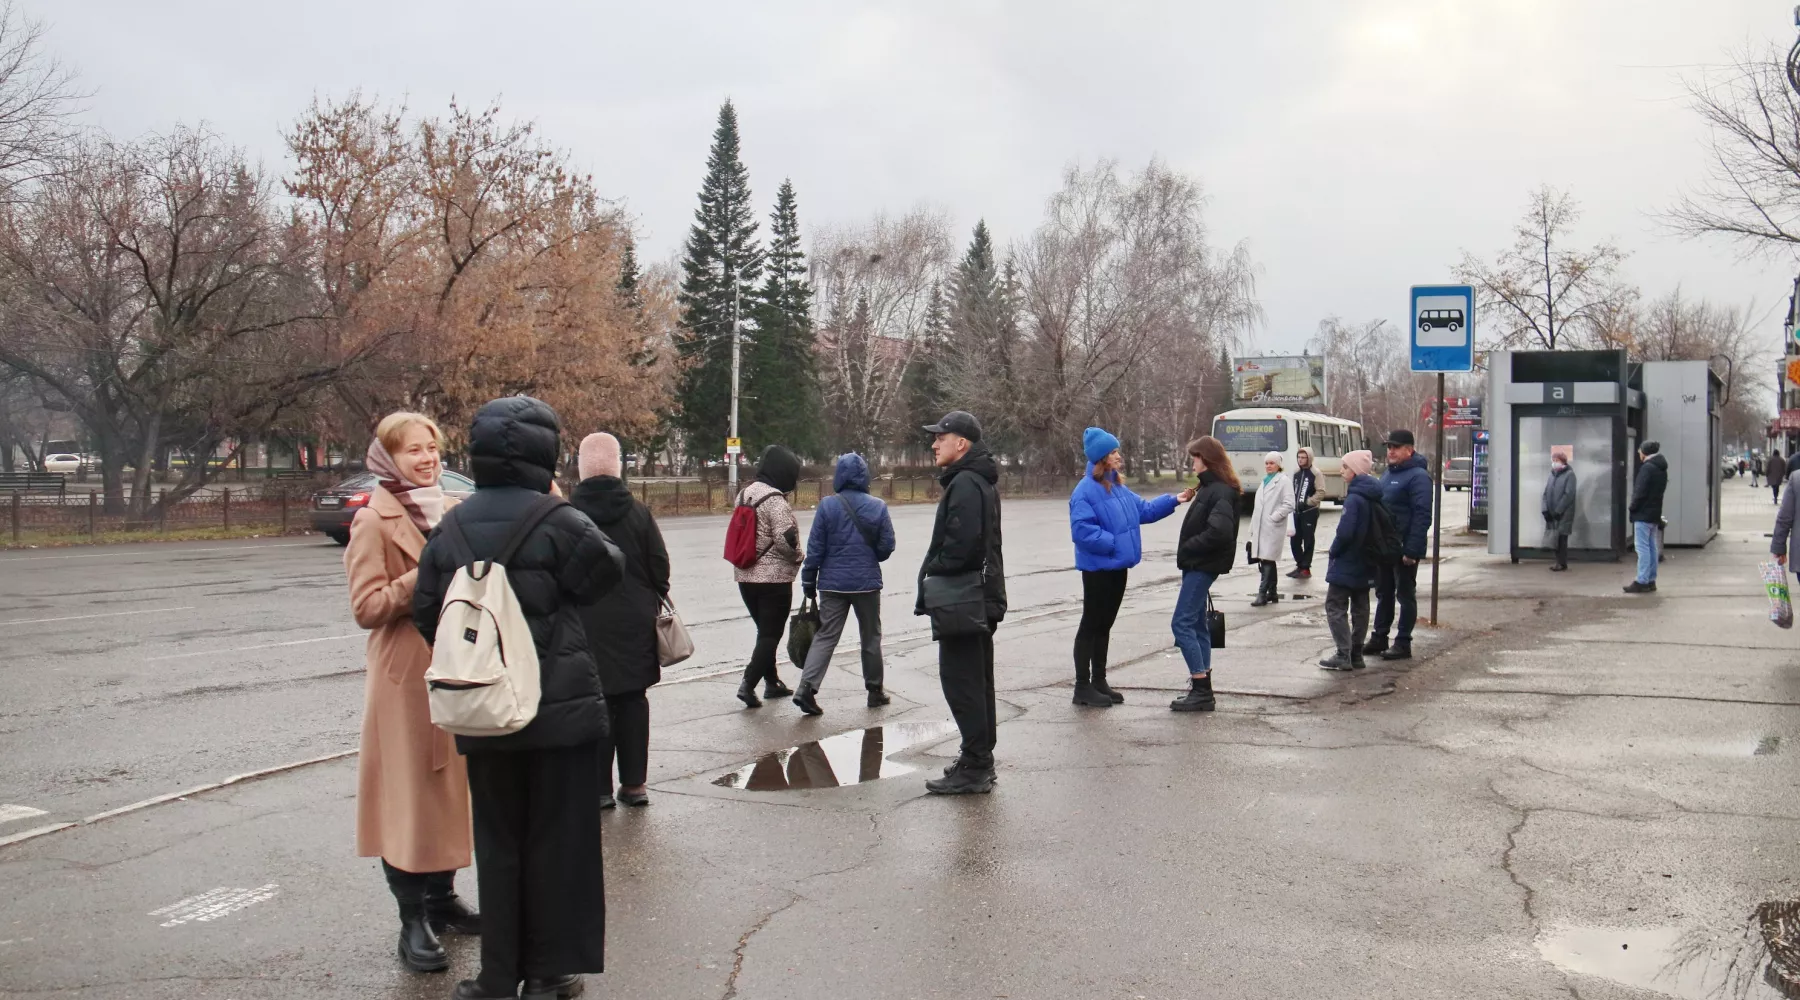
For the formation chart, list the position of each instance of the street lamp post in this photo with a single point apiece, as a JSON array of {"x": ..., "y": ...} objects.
[{"x": 732, "y": 459}]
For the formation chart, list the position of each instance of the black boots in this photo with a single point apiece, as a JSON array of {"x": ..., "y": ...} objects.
[
  {"x": 419, "y": 947},
  {"x": 551, "y": 989},
  {"x": 807, "y": 700},
  {"x": 447, "y": 911},
  {"x": 877, "y": 697},
  {"x": 747, "y": 694},
  {"x": 418, "y": 894},
  {"x": 637, "y": 799},
  {"x": 1104, "y": 688},
  {"x": 1375, "y": 646},
  {"x": 963, "y": 778},
  {"x": 1399, "y": 651},
  {"x": 1199, "y": 697},
  {"x": 1635, "y": 587},
  {"x": 1268, "y": 592},
  {"x": 1086, "y": 695},
  {"x": 773, "y": 688}
]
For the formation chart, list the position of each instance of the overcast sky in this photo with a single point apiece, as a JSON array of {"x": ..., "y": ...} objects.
[{"x": 1357, "y": 145}]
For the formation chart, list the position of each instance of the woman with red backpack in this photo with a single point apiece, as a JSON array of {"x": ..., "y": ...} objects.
[{"x": 766, "y": 569}]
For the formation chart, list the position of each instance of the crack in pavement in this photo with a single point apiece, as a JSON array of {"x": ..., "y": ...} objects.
[{"x": 737, "y": 963}]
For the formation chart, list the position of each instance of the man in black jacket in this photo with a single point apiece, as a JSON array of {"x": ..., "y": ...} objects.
[
  {"x": 1647, "y": 490},
  {"x": 966, "y": 539},
  {"x": 535, "y": 793}
]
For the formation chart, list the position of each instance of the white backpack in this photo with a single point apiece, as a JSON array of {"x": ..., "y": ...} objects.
[{"x": 483, "y": 679}]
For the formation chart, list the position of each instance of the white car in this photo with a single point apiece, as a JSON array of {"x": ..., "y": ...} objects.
[{"x": 68, "y": 465}]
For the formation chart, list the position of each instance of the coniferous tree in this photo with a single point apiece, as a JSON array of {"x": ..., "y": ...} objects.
[
  {"x": 983, "y": 337},
  {"x": 722, "y": 257},
  {"x": 924, "y": 385},
  {"x": 782, "y": 371}
]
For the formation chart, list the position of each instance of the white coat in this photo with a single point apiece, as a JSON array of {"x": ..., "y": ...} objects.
[{"x": 1269, "y": 520}]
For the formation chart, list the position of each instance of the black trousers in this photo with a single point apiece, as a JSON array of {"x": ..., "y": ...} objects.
[
  {"x": 1562, "y": 549},
  {"x": 537, "y": 857},
  {"x": 1102, "y": 591},
  {"x": 1396, "y": 585},
  {"x": 1306, "y": 534},
  {"x": 769, "y": 604},
  {"x": 628, "y": 740},
  {"x": 966, "y": 671}
]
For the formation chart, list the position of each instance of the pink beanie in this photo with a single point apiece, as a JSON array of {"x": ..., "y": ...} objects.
[
  {"x": 1358, "y": 462},
  {"x": 599, "y": 455}
]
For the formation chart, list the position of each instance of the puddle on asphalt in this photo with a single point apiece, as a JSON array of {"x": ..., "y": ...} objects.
[
  {"x": 845, "y": 759},
  {"x": 1669, "y": 960},
  {"x": 1766, "y": 746}
]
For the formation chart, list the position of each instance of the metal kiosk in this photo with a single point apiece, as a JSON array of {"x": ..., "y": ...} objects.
[
  {"x": 1577, "y": 402},
  {"x": 1682, "y": 404}
]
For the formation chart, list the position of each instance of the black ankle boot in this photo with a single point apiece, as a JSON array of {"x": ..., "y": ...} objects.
[
  {"x": 1199, "y": 697},
  {"x": 550, "y": 989},
  {"x": 806, "y": 699},
  {"x": 1104, "y": 688},
  {"x": 747, "y": 694},
  {"x": 419, "y": 947},
  {"x": 447, "y": 911},
  {"x": 471, "y": 989},
  {"x": 877, "y": 697},
  {"x": 1086, "y": 695},
  {"x": 773, "y": 688}
]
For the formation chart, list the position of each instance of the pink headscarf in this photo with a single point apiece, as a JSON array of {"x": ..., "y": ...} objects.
[
  {"x": 1359, "y": 463},
  {"x": 424, "y": 504}
]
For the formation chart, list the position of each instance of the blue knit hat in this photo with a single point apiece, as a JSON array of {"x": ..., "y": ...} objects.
[{"x": 1098, "y": 444}]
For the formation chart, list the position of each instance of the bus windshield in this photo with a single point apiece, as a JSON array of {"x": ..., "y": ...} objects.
[{"x": 1252, "y": 435}]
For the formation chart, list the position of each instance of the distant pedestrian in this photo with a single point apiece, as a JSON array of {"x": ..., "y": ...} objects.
[
  {"x": 852, "y": 535},
  {"x": 535, "y": 792},
  {"x": 621, "y": 625},
  {"x": 1777, "y": 471},
  {"x": 1756, "y": 470},
  {"x": 1559, "y": 508},
  {"x": 1269, "y": 527},
  {"x": 1105, "y": 519},
  {"x": 1350, "y": 571},
  {"x": 1646, "y": 509},
  {"x": 767, "y": 587},
  {"x": 1206, "y": 551},
  {"x": 1406, "y": 491},
  {"x": 1306, "y": 513},
  {"x": 965, "y": 556},
  {"x": 412, "y": 796}
]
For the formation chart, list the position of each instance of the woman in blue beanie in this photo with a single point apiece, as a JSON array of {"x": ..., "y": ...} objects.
[{"x": 1104, "y": 520}]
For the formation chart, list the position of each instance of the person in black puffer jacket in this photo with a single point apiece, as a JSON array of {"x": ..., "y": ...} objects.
[
  {"x": 1206, "y": 552},
  {"x": 535, "y": 793},
  {"x": 621, "y": 627}
]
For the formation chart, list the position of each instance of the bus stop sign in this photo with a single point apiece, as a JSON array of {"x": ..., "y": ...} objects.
[{"x": 1443, "y": 328}]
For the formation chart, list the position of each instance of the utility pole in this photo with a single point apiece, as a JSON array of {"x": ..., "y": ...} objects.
[{"x": 732, "y": 457}]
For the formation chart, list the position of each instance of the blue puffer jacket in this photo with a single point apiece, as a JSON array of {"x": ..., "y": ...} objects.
[
  {"x": 837, "y": 556},
  {"x": 1350, "y": 565},
  {"x": 1104, "y": 524},
  {"x": 1406, "y": 489}
]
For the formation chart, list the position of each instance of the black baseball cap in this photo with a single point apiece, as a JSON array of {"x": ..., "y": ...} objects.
[
  {"x": 1398, "y": 439},
  {"x": 960, "y": 422}
]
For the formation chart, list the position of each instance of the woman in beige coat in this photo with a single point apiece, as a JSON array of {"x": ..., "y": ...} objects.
[{"x": 412, "y": 800}]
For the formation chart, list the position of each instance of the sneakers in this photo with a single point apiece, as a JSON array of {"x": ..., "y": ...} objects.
[
  {"x": 1261, "y": 600},
  {"x": 1397, "y": 652},
  {"x": 747, "y": 694},
  {"x": 1635, "y": 587},
  {"x": 962, "y": 778},
  {"x": 878, "y": 697},
  {"x": 1086, "y": 695},
  {"x": 1305, "y": 574},
  {"x": 1199, "y": 697},
  {"x": 1293, "y": 574},
  {"x": 1336, "y": 661},
  {"x": 807, "y": 700}
]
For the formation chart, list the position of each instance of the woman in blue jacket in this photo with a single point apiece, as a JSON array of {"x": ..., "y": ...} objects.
[{"x": 1104, "y": 518}]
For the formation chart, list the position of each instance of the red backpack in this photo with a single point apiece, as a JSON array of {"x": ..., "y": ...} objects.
[{"x": 740, "y": 534}]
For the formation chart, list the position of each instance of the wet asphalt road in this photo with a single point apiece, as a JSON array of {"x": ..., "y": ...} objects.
[{"x": 1564, "y": 792}]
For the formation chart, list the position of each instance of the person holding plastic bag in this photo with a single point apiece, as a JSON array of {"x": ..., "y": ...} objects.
[{"x": 1783, "y": 543}]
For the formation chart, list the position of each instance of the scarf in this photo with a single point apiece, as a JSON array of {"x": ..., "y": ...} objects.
[
  {"x": 1270, "y": 478},
  {"x": 424, "y": 504}
]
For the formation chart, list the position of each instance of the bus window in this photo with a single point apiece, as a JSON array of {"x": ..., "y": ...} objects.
[
  {"x": 1356, "y": 439},
  {"x": 1252, "y": 435}
]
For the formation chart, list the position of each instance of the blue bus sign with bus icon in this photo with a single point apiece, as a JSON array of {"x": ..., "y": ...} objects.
[{"x": 1443, "y": 328}]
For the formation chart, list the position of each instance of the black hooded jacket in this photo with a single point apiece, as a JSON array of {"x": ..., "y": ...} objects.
[
  {"x": 779, "y": 468},
  {"x": 621, "y": 626},
  {"x": 1209, "y": 531},
  {"x": 966, "y": 535},
  {"x": 565, "y": 563},
  {"x": 1648, "y": 488}
]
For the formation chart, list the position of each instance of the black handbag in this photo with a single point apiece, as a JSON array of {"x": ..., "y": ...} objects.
[
  {"x": 1215, "y": 623},
  {"x": 801, "y": 629},
  {"x": 957, "y": 604}
]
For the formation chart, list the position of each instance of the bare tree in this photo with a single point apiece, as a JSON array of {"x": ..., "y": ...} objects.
[
  {"x": 38, "y": 99},
  {"x": 1540, "y": 291},
  {"x": 1753, "y": 194}
]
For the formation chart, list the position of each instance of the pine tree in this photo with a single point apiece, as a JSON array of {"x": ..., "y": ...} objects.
[
  {"x": 722, "y": 257},
  {"x": 628, "y": 277},
  {"x": 782, "y": 371},
  {"x": 923, "y": 387},
  {"x": 983, "y": 329}
]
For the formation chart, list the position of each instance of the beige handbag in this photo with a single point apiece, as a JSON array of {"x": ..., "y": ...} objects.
[{"x": 672, "y": 642}]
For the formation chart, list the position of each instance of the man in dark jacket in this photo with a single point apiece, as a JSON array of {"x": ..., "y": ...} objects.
[
  {"x": 852, "y": 535},
  {"x": 535, "y": 793},
  {"x": 1406, "y": 489},
  {"x": 1647, "y": 489},
  {"x": 1777, "y": 469},
  {"x": 1306, "y": 514},
  {"x": 965, "y": 538},
  {"x": 621, "y": 626}
]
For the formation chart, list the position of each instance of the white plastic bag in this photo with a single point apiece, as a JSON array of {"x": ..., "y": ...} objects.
[{"x": 1781, "y": 604}]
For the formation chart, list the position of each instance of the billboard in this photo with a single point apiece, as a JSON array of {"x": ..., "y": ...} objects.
[{"x": 1284, "y": 380}]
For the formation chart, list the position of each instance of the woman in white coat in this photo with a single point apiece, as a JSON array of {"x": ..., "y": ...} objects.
[{"x": 1270, "y": 525}]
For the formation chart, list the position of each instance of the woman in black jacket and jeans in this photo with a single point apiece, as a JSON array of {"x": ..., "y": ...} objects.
[
  {"x": 1206, "y": 552},
  {"x": 621, "y": 627}
]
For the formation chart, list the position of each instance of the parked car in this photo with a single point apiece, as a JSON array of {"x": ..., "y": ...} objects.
[
  {"x": 1459, "y": 473},
  {"x": 335, "y": 508},
  {"x": 68, "y": 465}
]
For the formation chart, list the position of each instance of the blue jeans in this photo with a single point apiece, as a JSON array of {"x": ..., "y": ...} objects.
[
  {"x": 1193, "y": 635},
  {"x": 1644, "y": 532}
]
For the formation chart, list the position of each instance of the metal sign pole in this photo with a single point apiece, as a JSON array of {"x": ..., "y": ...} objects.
[{"x": 1437, "y": 500}]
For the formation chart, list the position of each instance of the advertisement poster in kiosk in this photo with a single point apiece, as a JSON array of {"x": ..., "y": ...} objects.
[{"x": 1286, "y": 380}]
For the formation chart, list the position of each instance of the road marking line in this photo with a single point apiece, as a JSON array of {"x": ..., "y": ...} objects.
[
  {"x": 109, "y": 614},
  {"x": 215, "y": 903},
  {"x": 246, "y": 649},
  {"x": 11, "y": 813},
  {"x": 38, "y": 832}
]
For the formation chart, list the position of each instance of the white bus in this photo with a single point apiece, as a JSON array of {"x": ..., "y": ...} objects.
[{"x": 1251, "y": 433}]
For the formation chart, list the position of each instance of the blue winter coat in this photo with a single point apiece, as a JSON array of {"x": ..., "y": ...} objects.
[
  {"x": 1350, "y": 565},
  {"x": 1406, "y": 490},
  {"x": 838, "y": 558},
  {"x": 1105, "y": 524}
]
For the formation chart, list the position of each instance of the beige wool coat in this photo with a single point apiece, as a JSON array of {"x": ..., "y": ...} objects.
[{"x": 412, "y": 797}]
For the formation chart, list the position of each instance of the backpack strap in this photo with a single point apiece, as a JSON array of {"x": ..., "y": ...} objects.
[
  {"x": 869, "y": 534},
  {"x": 541, "y": 508},
  {"x": 459, "y": 542}
]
